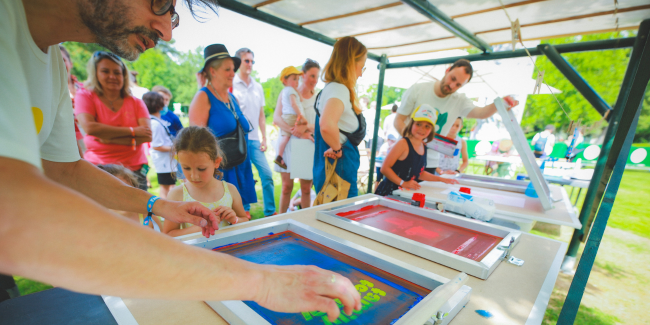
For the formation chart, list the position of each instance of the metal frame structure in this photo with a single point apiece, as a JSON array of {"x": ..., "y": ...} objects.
[
  {"x": 608, "y": 171},
  {"x": 480, "y": 269},
  {"x": 236, "y": 312}
]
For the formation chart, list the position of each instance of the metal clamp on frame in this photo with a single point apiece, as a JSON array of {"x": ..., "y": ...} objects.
[{"x": 507, "y": 254}]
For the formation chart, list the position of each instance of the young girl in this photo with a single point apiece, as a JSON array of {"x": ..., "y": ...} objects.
[
  {"x": 450, "y": 164},
  {"x": 199, "y": 156},
  {"x": 291, "y": 110},
  {"x": 128, "y": 178},
  {"x": 405, "y": 163}
]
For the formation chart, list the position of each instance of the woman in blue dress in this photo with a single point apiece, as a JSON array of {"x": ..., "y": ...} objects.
[{"x": 213, "y": 106}]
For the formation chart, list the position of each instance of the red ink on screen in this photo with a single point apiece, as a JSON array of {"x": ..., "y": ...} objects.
[
  {"x": 427, "y": 231},
  {"x": 347, "y": 213}
]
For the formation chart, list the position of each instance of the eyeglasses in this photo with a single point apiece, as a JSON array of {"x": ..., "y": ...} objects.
[
  {"x": 249, "y": 61},
  {"x": 161, "y": 7}
]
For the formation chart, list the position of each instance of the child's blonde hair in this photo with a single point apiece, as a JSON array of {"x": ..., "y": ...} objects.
[
  {"x": 409, "y": 127},
  {"x": 198, "y": 139},
  {"x": 120, "y": 172}
]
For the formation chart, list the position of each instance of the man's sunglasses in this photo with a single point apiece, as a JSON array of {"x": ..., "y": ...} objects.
[{"x": 161, "y": 7}]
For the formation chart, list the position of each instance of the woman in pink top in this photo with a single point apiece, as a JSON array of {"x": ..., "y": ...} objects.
[{"x": 116, "y": 123}]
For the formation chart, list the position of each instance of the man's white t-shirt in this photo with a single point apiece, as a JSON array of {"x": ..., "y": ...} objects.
[
  {"x": 37, "y": 119},
  {"x": 449, "y": 109},
  {"x": 251, "y": 101},
  {"x": 286, "y": 94},
  {"x": 161, "y": 137},
  {"x": 348, "y": 121}
]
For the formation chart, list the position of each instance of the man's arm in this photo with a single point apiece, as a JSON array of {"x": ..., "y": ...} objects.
[
  {"x": 400, "y": 122},
  {"x": 489, "y": 110},
  {"x": 112, "y": 193},
  {"x": 262, "y": 127},
  {"x": 69, "y": 241}
]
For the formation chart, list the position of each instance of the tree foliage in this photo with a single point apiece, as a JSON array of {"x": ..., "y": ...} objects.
[{"x": 603, "y": 70}]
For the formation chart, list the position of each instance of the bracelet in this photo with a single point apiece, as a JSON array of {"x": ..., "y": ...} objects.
[
  {"x": 150, "y": 203},
  {"x": 337, "y": 151},
  {"x": 458, "y": 171},
  {"x": 132, "y": 132},
  {"x": 133, "y": 144},
  {"x": 236, "y": 220},
  {"x": 401, "y": 182}
]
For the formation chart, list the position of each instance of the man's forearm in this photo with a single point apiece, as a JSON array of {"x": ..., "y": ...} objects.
[
  {"x": 83, "y": 247},
  {"x": 483, "y": 112},
  {"x": 98, "y": 185},
  {"x": 262, "y": 124}
]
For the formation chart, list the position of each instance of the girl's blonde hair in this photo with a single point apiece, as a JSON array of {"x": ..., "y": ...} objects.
[
  {"x": 120, "y": 171},
  {"x": 92, "y": 83},
  {"x": 198, "y": 139},
  {"x": 342, "y": 65},
  {"x": 409, "y": 127}
]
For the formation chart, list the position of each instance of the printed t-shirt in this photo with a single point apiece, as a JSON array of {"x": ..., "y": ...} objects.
[
  {"x": 251, "y": 101},
  {"x": 127, "y": 116},
  {"x": 37, "y": 119},
  {"x": 172, "y": 122},
  {"x": 449, "y": 109},
  {"x": 348, "y": 121}
]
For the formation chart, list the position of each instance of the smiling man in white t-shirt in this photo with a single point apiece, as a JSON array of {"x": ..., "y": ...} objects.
[
  {"x": 450, "y": 105},
  {"x": 54, "y": 225}
]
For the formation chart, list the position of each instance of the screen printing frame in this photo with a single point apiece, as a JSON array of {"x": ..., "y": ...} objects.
[
  {"x": 527, "y": 158},
  {"x": 238, "y": 313},
  {"x": 480, "y": 269}
]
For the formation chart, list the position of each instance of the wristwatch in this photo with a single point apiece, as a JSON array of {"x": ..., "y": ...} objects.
[{"x": 337, "y": 151}]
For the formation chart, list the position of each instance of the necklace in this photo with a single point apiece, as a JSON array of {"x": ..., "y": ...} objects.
[
  {"x": 112, "y": 101},
  {"x": 219, "y": 97}
]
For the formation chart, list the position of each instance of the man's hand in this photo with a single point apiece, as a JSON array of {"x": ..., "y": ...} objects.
[
  {"x": 511, "y": 102},
  {"x": 299, "y": 288},
  {"x": 192, "y": 212},
  {"x": 263, "y": 145}
]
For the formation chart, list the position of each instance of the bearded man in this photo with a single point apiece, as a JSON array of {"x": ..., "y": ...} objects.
[{"x": 54, "y": 223}]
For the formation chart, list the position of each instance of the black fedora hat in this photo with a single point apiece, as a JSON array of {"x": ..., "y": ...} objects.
[{"x": 217, "y": 52}]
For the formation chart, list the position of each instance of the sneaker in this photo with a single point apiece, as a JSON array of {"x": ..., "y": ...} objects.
[
  {"x": 280, "y": 162},
  {"x": 274, "y": 214}
]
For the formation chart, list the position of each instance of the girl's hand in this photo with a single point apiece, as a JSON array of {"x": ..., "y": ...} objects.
[
  {"x": 330, "y": 154},
  {"x": 449, "y": 172},
  {"x": 449, "y": 181},
  {"x": 226, "y": 213},
  {"x": 411, "y": 185}
]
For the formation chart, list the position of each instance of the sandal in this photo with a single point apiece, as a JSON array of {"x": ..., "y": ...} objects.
[{"x": 280, "y": 162}]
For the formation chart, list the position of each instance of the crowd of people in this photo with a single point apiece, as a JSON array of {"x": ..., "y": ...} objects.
[{"x": 41, "y": 152}]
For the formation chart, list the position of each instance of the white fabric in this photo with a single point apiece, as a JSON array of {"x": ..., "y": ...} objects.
[
  {"x": 138, "y": 91},
  {"x": 162, "y": 160},
  {"x": 348, "y": 121},
  {"x": 308, "y": 108},
  {"x": 286, "y": 93},
  {"x": 251, "y": 100},
  {"x": 452, "y": 162},
  {"x": 35, "y": 102},
  {"x": 449, "y": 109},
  {"x": 389, "y": 127},
  {"x": 381, "y": 156},
  {"x": 550, "y": 141}
]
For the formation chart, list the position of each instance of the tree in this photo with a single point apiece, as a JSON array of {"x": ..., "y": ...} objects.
[{"x": 603, "y": 70}]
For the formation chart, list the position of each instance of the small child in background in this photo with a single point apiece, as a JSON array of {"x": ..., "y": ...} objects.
[
  {"x": 291, "y": 108},
  {"x": 405, "y": 163},
  {"x": 296, "y": 200},
  {"x": 200, "y": 157},
  {"x": 450, "y": 164},
  {"x": 161, "y": 144},
  {"x": 381, "y": 156},
  {"x": 127, "y": 177}
]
